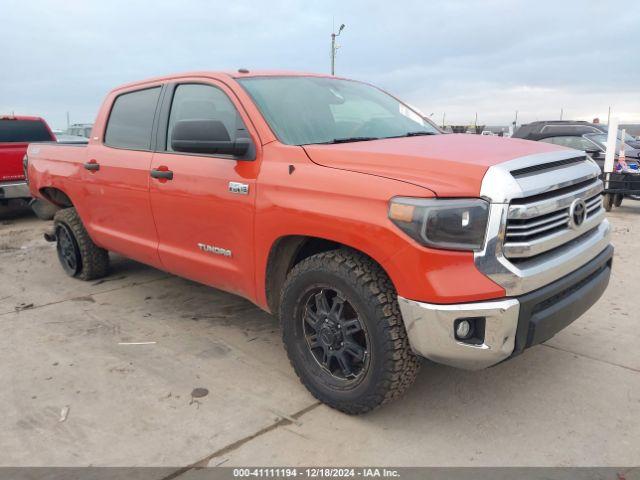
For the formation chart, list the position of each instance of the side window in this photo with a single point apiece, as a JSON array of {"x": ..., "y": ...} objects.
[
  {"x": 204, "y": 102},
  {"x": 131, "y": 120}
]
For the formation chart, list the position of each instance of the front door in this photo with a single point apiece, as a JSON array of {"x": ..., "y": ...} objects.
[{"x": 203, "y": 205}]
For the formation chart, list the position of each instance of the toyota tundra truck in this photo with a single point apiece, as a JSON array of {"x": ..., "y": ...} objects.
[{"x": 376, "y": 239}]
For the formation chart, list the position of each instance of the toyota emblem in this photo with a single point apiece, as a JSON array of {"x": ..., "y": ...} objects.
[{"x": 577, "y": 213}]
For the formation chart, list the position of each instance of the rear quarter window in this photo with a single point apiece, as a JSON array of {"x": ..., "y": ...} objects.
[
  {"x": 21, "y": 131},
  {"x": 131, "y": 120}
]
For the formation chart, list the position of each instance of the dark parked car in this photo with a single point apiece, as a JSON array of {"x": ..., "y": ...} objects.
[
  {"x": 620, "y": 184},
  {"x": 592, "y": 143},
  {"x": 549, "y": 128}
]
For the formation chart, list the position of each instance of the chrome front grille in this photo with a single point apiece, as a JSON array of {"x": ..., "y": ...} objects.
[
  {"x": 532, "y": 238},
  {"x": 539, "y": 224}
]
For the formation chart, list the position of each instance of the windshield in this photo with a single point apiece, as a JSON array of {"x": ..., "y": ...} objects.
[
  {"x": 627, "y": 137},
  {"x": 306, "y": 110},
  {"x": 601, "y": 139}
]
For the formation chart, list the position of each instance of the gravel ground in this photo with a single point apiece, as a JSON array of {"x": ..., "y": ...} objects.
[{"x": 143, "y": 368}]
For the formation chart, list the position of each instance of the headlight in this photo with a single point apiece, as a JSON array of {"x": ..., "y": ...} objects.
[{"x": 452, "y": 224}]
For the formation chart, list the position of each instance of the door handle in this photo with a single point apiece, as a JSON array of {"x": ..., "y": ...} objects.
[
  {"x": 162, "y": 173},
  {"x": 92, "y": 166}
]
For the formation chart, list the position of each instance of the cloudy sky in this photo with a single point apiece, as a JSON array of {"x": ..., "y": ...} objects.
[{"x": 492, "y": 57}]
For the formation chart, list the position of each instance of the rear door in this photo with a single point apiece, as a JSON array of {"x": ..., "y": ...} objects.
[
  {"x": 116, "y": 178},
  {"x": 15, "y": 136},
  {"x": 205, "y": 226}
]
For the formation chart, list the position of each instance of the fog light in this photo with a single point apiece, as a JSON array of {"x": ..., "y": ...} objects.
[
  {"x": 463, "y": 330},
  {"x": 470, "y": 330}
]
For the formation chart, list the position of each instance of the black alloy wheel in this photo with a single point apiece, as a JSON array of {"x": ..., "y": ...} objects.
[
  {"x": 334, "y": 335},
  {"x": 68, "y": 251}
]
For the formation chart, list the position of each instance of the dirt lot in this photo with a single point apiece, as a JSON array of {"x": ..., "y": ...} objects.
[{"x": 76, "y": 391}]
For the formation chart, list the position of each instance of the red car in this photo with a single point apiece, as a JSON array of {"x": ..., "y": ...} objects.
[
  {"x": 15, "y": 135},
  {"x": 335, "y": 206}
]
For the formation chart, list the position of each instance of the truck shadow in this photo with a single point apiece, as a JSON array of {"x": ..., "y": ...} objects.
[
  {"x": 461, "y": 396},
  {"x": 14, "y": 213}
]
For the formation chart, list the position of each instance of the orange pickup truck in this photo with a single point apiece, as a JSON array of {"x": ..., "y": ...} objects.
[{"x": 375, "y": 238}]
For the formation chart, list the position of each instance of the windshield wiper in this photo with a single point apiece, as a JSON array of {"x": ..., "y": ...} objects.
[
  {"x": 416, "y": 134},
  {"x": 351, "y": 139},
  {"x": 413, "y": 134}
]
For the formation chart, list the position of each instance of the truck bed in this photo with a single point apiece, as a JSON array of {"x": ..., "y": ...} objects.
[{"x": 49, "y": 162}]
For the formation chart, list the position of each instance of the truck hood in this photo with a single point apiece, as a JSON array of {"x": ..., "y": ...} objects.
[{"x": 450, "y": 165}]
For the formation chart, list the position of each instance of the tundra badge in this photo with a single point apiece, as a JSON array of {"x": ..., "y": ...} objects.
[
  {"x": 212, "y": 249},
  {"x": 240, "y": 188}
]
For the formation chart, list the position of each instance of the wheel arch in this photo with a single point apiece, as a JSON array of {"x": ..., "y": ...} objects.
[
  {"x": 56, "y": 196},
  {"x": 287, "y": 251}
]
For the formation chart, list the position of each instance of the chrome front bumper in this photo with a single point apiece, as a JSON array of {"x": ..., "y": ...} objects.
[
  {"x": 510, "y": 324},
  {"x": 14, "y": 190},
  {"x": 430, "y": 329}
]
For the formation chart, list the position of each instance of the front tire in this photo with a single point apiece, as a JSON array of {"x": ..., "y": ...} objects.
[
  {"x": 78, "y": 255},
  {"x": 343, "y": 332}
]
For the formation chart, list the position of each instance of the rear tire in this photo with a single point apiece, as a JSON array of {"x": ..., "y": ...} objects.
[
  {"x": 343, "y": 332},
  {"x": 78, "y": 255},
  {"x": 608, "y": 201},
  {"x": 618, "y": 200}
]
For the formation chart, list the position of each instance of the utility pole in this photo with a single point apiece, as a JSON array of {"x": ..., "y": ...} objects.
[
  {"x": 475, "y": 124},
  {"x": 334, "y": 49},
  {"x": 443, "y": 115},
  {"x": 609, "y": 116},
  {"x": 68, "y": 123},
  {"x": 515, "y": 122},
  {"x": 561, "y": 112}
]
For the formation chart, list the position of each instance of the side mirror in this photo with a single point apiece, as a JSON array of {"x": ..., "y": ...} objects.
[
  {"x": 595, "y": 153},
  {"x": 208, "y": 136}
]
